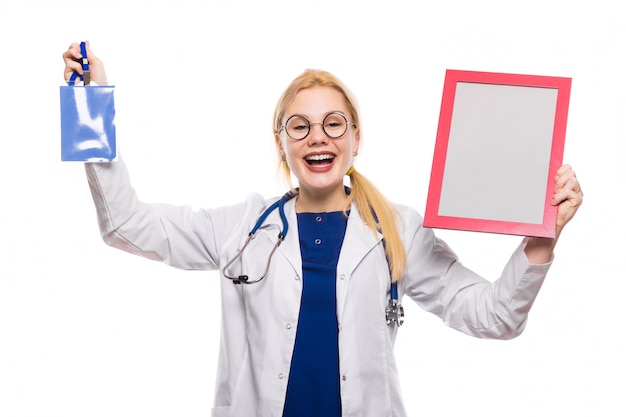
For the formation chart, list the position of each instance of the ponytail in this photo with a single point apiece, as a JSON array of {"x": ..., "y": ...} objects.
[{"x": 371, "y": 202}]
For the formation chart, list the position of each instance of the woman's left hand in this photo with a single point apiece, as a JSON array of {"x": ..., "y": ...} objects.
[{"x": 567, "y": 195}]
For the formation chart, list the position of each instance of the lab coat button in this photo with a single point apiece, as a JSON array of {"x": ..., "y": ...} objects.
[
  {"x": 281, "y": 376},
  {"x": 343, "y": 276},
  {"x": 288, "y": 326},
  {"x": 343, "y": 378},
  {"x": 297, "y": 277}
]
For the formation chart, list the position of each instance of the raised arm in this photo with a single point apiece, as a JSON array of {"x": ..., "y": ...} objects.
[{"x": 178, "y": 236}]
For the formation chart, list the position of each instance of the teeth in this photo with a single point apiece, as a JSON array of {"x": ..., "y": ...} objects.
[{"x": 319, "y": 157}]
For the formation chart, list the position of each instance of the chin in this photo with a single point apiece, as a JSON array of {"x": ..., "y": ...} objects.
[{"x": 319, "y": 186}]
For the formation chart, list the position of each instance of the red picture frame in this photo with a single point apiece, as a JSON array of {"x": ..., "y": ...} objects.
[{"x": 499, "y": 143}]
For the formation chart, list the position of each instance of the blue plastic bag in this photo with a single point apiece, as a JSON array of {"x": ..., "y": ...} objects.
[{"x": 88, "y": 124}]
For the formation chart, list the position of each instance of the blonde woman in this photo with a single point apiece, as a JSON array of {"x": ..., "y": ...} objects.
[{"x": 307, "y": 278}]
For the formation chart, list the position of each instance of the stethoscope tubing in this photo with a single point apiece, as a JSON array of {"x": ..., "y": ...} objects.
[
  {"x": 394, "y": 312},
  {"x": 280, "y": 204}
]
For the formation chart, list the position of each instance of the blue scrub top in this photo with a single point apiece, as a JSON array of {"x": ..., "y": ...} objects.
[{"x": 313, "y": 387}]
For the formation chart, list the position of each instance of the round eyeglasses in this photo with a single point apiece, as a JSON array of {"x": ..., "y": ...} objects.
[{"x": 334, "y": 125}]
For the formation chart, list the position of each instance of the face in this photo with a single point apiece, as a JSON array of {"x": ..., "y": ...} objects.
[{"x": 318, "y": 161}]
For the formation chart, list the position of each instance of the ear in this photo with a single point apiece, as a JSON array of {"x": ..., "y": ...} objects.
[
  {"x": 357, "y": 142},
  {"x": 279, "y": 146}
]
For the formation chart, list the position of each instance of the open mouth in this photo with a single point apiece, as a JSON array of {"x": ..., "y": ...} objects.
[{"x": 321, "y": 159}]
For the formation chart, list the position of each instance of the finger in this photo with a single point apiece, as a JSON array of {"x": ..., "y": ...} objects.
[
  {"x": 72, "y": 57},
  {"x": 71, "y": 67},
  {"x": 571, "y": 192},
  {"x": 563, "y": 175},
  {"x": 72, "y": 53},
  {"x": 563, "y": 169}
]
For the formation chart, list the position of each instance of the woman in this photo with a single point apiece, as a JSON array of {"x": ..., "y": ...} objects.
[{"x": 304, "y": 330}]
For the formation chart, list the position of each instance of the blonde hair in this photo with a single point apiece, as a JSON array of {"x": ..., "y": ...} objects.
[{"x": 377, "y": 212}]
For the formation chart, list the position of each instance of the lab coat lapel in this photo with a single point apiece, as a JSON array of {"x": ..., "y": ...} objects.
[{"x": 358, "y": 242}]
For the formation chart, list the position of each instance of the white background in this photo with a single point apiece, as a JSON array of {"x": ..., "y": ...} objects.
[{"x": 86, "y": 330}]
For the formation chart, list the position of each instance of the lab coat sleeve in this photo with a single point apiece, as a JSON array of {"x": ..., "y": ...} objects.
[
  {"x": 438, "y": 282},
  {"x": 176, "y": 235}
]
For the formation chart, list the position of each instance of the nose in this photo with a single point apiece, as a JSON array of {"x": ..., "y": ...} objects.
[{"x": 317, "y": 134}]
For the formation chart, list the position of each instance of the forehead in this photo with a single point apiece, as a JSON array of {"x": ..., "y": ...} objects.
[{"x": 316, "y": 102}]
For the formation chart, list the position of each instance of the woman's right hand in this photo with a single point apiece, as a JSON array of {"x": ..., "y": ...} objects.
[{"x": 73, "y": 58}]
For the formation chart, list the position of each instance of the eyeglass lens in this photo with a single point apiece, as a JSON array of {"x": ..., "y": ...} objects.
[{"x": 334, "y": 125}]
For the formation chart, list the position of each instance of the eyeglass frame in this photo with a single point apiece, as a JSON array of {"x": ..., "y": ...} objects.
[{"x": 348, "y": 123}]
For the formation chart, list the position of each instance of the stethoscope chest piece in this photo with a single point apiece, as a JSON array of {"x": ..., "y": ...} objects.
[{"x": 394, "y": 312}]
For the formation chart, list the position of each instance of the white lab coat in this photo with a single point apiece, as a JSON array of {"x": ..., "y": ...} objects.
[{"x": 259, "y": 321}]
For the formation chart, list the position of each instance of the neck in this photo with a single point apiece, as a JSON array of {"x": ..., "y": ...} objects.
[{"x": 320, "y": 202}]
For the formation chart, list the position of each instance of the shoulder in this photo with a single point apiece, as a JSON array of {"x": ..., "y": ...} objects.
[
  {"x": 409, "y": 216},
  {"x": 411, "y": 227},
  {"x": 252, "y": 206},
  {"x": 238, "y": 219}
]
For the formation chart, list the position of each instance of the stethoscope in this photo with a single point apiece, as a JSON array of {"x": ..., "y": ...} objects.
[{"x": 394, "y": 312}]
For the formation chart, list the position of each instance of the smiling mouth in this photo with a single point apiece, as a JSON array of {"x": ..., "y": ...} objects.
[{"x": 320, "y": 159}]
